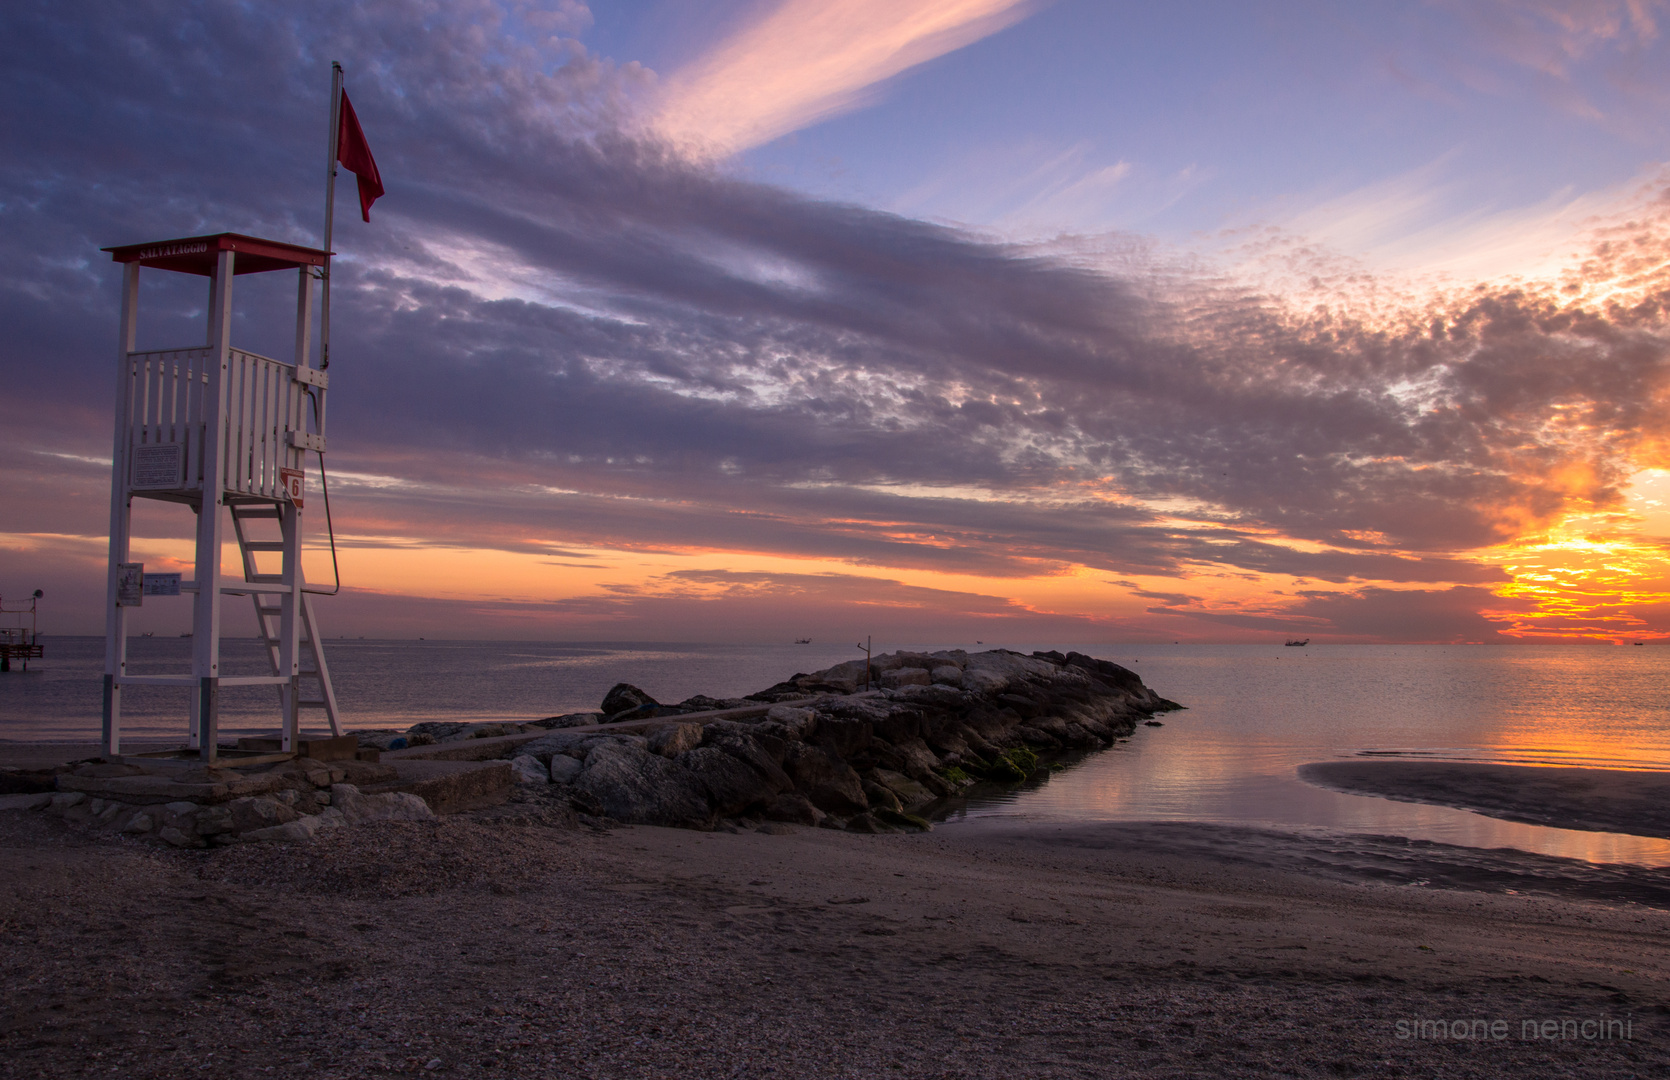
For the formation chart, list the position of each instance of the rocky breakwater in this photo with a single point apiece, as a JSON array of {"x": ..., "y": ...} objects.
[
  {"x": 195, "y": 807},
  {"x": 821, "y": 749}
]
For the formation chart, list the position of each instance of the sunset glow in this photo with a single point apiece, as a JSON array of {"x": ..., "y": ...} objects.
[{"x": 946, "y": 320}]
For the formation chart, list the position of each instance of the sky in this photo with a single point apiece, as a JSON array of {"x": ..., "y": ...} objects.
[{"x": 936, "y": 320}]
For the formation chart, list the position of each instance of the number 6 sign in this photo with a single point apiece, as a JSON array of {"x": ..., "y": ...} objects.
[{"x": 292, "y": 480}]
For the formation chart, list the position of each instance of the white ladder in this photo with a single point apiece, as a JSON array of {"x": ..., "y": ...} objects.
[{"x": 269, "y": 610}]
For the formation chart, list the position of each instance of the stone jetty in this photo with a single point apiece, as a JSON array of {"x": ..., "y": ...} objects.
[{"x": 863, "y": 746}]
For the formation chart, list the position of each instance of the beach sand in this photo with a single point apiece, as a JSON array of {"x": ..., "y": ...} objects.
[
  {"x": 485, "y": 947},
  {"x": 1599, "y": 800}
]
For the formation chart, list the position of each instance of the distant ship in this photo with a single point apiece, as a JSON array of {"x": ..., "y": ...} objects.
[
  {"x": 802, "y": 641},
  {"x": 1299, "y": 641}
]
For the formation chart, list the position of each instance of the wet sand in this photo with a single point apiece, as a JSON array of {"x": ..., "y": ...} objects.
[
  {"x": 1596, "y": 800},
  {"x": 514, "y": 943}
]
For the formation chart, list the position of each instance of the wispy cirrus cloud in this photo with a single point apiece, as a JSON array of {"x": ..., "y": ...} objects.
[{"x": 807, "y": 60}]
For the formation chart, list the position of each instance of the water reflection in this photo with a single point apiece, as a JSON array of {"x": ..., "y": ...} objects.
[{"x": 1256, "y": 713}]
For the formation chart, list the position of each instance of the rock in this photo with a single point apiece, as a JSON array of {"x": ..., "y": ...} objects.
[
  {"x": 798, "y": 723},
  {"x": 212, "y": 820},
  {"x": 66, "y": 799},
  {"x": 911, "y": 794},
  {"x": 1108, "y": 672},
  {"x": 633, "y": 785},
  {"x": 920, "y": 762},
  {"x": 947, "y": 675},
  {"x": 731, "y": 786},
  {"x": 564, "y": 769},
  {"x": 674, "y": 739},
  {"x": 256, "y": 812},
  {"x": 625, "y": 697},
  {"x": 558, "y": 742},
  {"x": 984, "y": 681},
  {"x": 830, "y": 783},
  {"x": 139, "y": 823},
  {"x": 907, "y": 822},
  {"x": 906, "y": 676},
  {"x": 759, "y": 752},
  {"x": 303, "y": 828},
  {"x": 567, "y": 720},
  {"x": 177, "y": 838},
  {"x": 182, "y": 808},
  {"x": 527, "y": 769},
  {"x": 775, "y": 828},
  {"x": 794, "y": 807},
  {"x": 434, "y": 730},
  {"x": 26, "y": 802},
  {"x": 881, "y": 798},
  {"x": 869, "y": 823},
  {"x": 357, "y": 809}
]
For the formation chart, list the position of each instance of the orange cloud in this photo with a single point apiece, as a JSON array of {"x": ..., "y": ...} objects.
[{"x": 808, "y": 60}]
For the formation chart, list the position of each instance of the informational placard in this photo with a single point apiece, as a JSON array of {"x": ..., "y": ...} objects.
[
  {"x": 162, "y": 584},
  {"x": 130, "y": 584},
  {"x": 292, "y": 479},
  {"x": 157, "y": 467}
]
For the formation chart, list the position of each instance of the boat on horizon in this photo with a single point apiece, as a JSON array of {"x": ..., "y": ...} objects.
[
  {"x": 802, "y": 641},
  {"x": 1299, "y": 641}
]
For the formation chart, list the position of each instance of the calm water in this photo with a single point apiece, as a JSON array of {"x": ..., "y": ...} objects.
[{"x": 1255, "y": 713}]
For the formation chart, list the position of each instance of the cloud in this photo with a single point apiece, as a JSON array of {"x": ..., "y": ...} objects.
[
  {"x": 559, "y": 335},
  {"x": 807, "y": 60}
]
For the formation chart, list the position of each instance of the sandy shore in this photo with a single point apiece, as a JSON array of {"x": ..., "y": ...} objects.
[
  {"x": 490, "y": 947},
  {"x": 1598, "y": 800}
]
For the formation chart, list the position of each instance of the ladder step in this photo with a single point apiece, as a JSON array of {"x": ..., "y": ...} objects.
[
  {"x": 263, "y": 545},
  {"x": 249, "y": 513},
  {"x": 310, "y": 703}
]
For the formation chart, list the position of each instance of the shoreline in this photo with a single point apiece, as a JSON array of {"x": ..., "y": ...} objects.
[{"x": 1635, "y": 802}]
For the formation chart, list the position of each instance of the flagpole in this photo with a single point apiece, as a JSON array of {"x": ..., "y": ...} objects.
[{"x": 330, "y": 210}]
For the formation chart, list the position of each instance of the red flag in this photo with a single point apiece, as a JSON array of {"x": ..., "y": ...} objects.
[{"x": 355, "y": 155}]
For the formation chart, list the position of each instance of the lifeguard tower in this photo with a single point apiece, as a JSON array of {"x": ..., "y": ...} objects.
[{"x": 228, "y": 433}]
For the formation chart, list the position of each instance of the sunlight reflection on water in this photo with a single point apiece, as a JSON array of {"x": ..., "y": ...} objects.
[{"x": 1258, "y": 712}]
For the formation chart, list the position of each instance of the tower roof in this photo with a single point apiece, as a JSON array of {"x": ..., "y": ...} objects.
[{"x": 197, "y": 254}]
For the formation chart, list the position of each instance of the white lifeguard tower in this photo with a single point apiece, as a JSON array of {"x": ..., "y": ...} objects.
[{"x": 227, "y": 433}]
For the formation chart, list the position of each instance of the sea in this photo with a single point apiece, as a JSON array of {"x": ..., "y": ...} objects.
[{"x": 1254, "y": 714}]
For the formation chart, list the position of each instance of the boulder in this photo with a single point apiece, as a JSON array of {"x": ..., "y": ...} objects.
[
  {"x": 303, "y": 828},
  {"x": 527, "y": 769},
  {"x": 674, "y": 739},
  {"x": 258, "y": 812},
  {"x": 869, "y": 823},
  {"x": 881, "y": 798},
  {"x": 357, "y": 809},
  {"x": 795, "y": 807},
  {"x": 575, "y": 744},
  {"x": 625, "y": 697},
  {"x": 984, "y": 681},
  {"x": 759, "y": 754},
  {"x": 828, "y": 782},
  {"x": 906, "y": 676},
  {"x": 911, "y": 794},
  {"x": 947, "y": 675},
  {"x": 564, "y": 769},
  {"x": 730, "y": 785},
  {"x": 633, "y": 785},
  {"x": 797, "y": 723}
]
